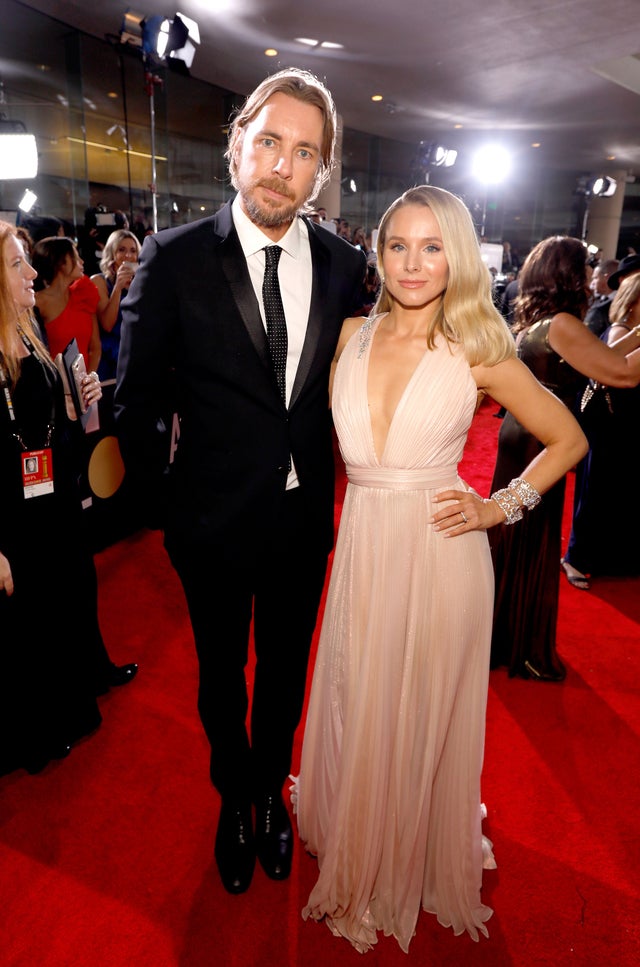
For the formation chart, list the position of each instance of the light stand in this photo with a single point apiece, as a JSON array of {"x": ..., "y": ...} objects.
[
  {"x": 161, "y": 40},
  {"x": 433, "y": 155},
  {"x": 491, "y": 164},
  {"x": 602, "y": 187},
  {"x": 585, "y": 218},
  {"x": 150, "y": 82},
  {"x": 483, "y": 229}
]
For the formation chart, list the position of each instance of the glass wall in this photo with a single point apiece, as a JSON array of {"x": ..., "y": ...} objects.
[
  {"x": 117, "y": 136},
  {"x": 112, "y": 132}
]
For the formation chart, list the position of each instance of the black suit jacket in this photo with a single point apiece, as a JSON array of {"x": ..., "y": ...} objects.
[{"x": 192, "y": 333}]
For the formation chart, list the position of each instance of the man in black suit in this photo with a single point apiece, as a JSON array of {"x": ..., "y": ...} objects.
[
  {"x": 248, "y": 507},
  {"x": 597, "y": 317}
]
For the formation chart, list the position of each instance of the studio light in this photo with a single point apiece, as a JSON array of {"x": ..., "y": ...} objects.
[
  {"x": 589, "y": 188},
  {"x": 604, "y": 187},
  {"x": 18, "y": 151},
  {"x": 161, "y": 39},
  {"x": 437, "y": 155},
  {"x": 444, "y": 157},
  {"x": 172, "y": 36},
  {"x": 177, "y": 40},
  {"x": 27, "y": 201}
]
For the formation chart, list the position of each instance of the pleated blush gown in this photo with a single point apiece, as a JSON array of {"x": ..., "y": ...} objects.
[{"x": 388, "y": 796}]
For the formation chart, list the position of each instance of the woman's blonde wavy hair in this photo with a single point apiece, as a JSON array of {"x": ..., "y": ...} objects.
[
  {"x": 466, "y": 314},
  {"x": 108, "y": 259},
  {"x": 625, "y": 298}
]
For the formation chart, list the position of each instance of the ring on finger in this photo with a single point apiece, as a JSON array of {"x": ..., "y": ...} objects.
[{"x": 464, "y": 517}]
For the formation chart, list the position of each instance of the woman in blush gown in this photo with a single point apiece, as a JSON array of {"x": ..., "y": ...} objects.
[{"x": 388, "y": 795}]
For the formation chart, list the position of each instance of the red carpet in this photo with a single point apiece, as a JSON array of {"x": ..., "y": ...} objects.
[{"x": 106, "y": 858}]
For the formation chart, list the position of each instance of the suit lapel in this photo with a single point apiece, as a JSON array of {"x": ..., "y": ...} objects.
[{"x": 234, "y": 268}]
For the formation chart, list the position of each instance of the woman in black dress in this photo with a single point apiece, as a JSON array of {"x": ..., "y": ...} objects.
[
  {"x": 610, "y": 421},
  {"x": 48, "y": 609},
  {"x": 556, "y": 345}
]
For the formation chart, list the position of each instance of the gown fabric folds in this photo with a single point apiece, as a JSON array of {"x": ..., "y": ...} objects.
[{"x": 388, "y": 796}]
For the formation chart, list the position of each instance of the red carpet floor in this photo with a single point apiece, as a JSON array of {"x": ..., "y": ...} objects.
[{"x": 106, "y": 858}]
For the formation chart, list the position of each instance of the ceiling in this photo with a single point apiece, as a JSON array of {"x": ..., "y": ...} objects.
[{"x": 563, "y": 74}]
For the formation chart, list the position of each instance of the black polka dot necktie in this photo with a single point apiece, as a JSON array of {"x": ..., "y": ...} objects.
[{"x": 274, "y": 315}]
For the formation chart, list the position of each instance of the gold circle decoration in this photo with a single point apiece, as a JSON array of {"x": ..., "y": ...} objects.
[{"x": 106, "y": 469}]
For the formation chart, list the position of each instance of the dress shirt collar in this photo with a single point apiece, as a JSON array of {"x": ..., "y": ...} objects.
[{"x": 253, "y": 239}]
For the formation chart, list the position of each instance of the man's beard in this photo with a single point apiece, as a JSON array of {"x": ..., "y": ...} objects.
[{"x": 263, "y": 215}]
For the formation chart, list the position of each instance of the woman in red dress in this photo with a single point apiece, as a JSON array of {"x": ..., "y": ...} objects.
[{"x": 66, "y": 299}]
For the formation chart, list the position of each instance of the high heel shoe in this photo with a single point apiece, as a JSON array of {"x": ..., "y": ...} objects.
[
  {"x": 552, "y": 676},
  {"x": 575, "y": 578}
]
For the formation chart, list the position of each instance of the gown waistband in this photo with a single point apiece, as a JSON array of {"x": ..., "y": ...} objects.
[{"x": 391, "y": 478}]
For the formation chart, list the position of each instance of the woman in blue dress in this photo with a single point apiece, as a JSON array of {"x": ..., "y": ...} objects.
[{"x": 117, "y": 267}]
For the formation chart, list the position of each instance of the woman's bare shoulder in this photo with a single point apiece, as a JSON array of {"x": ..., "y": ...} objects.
[{"x": 349, "y": 326}]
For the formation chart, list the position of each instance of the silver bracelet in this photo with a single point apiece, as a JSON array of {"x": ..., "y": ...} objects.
[
  {"x": 509, "y": 504},
  {"x": 525, "y": 492}
]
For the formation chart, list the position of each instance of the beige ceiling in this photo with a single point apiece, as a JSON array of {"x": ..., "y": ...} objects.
[{"x": 564, "y": 74}]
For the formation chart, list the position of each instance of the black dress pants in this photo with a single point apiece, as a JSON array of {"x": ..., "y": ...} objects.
[{"x": 279, "y": 584}]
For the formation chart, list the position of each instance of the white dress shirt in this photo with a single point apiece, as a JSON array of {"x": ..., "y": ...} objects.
[{"x": 295, "y": 274}]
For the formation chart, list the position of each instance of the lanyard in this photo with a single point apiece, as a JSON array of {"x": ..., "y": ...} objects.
[
  {"x": 4, "y": 382},
  {"x": 7, "y": 395}
]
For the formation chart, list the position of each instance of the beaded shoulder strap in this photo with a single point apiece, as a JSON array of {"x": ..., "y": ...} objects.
[{"x": 365, "y": 333}]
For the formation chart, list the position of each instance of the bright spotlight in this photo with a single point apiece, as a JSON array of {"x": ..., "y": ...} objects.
[
  {"x": 491, "y": 164},
  {"x": 27, "y": 201},
  {"x": 604, "y": 187},
  {"x": 18, "y": 151}
]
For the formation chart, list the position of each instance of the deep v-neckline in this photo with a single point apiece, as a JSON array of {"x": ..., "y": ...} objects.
[{"x": 401, "y": 398}]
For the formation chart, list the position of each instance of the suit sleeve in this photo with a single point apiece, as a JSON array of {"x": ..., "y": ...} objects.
[{"x": 144, "y": 397}]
